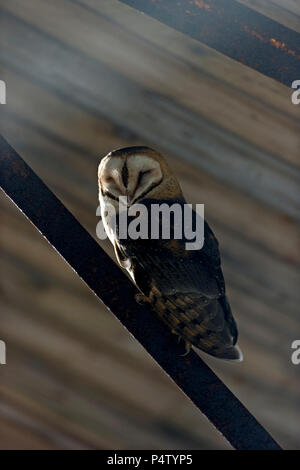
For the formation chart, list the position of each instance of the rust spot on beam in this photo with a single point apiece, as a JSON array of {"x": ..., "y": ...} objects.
[
  {"x": 202, "y": 4},
  {"x": 234, "y": 30}
]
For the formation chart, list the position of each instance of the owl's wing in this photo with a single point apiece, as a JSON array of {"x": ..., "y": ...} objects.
[
  {"x": 175, "y": 269},
  {"x": 187, "y": 290}
]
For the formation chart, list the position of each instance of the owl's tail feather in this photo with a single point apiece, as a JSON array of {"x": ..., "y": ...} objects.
[{"x": 231, "y": 354}]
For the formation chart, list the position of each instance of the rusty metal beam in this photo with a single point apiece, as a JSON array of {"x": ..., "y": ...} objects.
[
  {"x": 234, "y": 30},
  {"x": 115, "y": 290}
]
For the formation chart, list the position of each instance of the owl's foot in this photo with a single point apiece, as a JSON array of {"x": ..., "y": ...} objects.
[
  {"x": 187, "y": 344},
  {"x": 187, "y": 348},
  {"x": 141, "y": 299}
]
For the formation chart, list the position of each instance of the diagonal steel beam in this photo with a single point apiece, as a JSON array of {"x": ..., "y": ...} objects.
[
  {"x": 234, "y": 30},
  {"x": 110, "y": 284}
]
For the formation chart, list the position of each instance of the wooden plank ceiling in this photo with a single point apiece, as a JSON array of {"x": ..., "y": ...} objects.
[{"x": 84, "y": 77}]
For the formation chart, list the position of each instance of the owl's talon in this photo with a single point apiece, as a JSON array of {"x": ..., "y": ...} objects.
[
  {"x": 141, "y": 299},
  {"x": 187, "y": 349}
]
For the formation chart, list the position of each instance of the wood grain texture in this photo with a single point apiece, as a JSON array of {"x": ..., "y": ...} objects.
[
  {"x": 181, "y": 109},
  {"x": 286, "y": 12},
  {"x": 82, "y": 79}
]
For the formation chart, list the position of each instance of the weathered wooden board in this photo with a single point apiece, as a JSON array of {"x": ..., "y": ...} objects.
[
  {"x": 185, "y": 114},
  {"x": 87, "y": 134}
]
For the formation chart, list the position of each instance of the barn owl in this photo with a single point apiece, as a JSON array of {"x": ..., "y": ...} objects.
[{"x": 185, "y": 288}]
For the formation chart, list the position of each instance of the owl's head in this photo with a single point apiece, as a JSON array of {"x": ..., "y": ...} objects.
[{"x": 137, "y": 173}]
